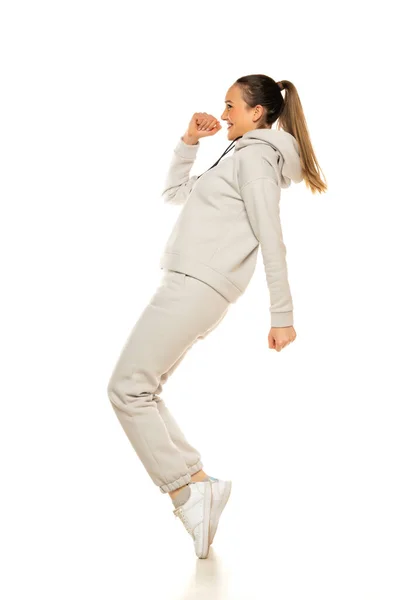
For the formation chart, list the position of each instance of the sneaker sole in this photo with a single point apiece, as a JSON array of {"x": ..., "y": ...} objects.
[
  {"x": 222, "y": 505},
  {"x": 206, "y": 522}
]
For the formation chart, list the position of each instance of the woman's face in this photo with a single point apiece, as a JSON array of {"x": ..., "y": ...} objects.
[{"x": 242, "y": 117}]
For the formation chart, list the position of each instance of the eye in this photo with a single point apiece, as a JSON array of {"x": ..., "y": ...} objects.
[{"x": 229, "y": 105}]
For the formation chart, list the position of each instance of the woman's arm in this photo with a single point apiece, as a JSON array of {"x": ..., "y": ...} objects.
[
  {"x": 178, "y": 183},
  {"x": 261, "y": 197}
]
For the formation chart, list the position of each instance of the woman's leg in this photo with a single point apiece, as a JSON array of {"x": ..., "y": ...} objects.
[
  {"x": 182, "y": 310},
  {"x": 190, "y": 454}
]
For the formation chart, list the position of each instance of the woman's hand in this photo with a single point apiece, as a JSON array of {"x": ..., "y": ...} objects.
[
  {"x": 202, "y": 125},
  {"x": 279, "y": 337}
]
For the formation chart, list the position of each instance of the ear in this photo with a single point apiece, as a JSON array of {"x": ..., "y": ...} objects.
[{"x": 258, "y": 112}]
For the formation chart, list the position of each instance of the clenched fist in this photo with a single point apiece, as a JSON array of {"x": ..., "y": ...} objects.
[
  {"x": 201, "y": 125},
  {"x": 279, "y": 337}
]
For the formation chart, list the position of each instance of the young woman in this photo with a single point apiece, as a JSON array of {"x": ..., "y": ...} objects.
[{"x": 228, "y": 213}]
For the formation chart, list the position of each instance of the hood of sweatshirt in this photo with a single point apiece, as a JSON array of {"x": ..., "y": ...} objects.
[{"x": 284, "y": 155}]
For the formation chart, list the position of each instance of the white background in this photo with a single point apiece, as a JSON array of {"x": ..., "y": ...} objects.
[{"x": 94, "y": 98}]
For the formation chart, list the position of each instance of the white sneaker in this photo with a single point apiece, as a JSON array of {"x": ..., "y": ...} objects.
[
  {"x": 220, "y": 495},
  {"x": 195, "y": 515}
]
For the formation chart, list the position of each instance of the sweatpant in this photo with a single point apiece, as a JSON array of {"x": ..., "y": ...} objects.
[{"x": 182, "y": 310}]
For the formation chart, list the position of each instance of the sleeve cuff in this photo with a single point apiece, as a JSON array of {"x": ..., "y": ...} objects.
[
  {"x": 282, "y": 319},
  {"x": 186, "y": 150}
]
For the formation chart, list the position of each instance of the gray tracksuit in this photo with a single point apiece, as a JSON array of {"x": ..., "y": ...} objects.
[
  {"x": 208, "y": 262},
  {"x": 229, "y": 212}
]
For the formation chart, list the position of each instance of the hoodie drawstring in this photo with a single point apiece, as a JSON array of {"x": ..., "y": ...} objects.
[{"x": 222, "y": 155}]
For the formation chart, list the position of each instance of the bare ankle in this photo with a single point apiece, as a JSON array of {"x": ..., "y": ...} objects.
[{"x": 199, "y": 476}]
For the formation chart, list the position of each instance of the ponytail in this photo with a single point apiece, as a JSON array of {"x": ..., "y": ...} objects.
[{"x": 293, "y": 121}]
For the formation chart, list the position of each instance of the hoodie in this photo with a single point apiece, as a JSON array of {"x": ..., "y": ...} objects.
[{"x": 229, "y": 212}]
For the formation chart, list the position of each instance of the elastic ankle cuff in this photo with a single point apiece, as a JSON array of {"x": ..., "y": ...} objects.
[{"x": 174, "y": 485}]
